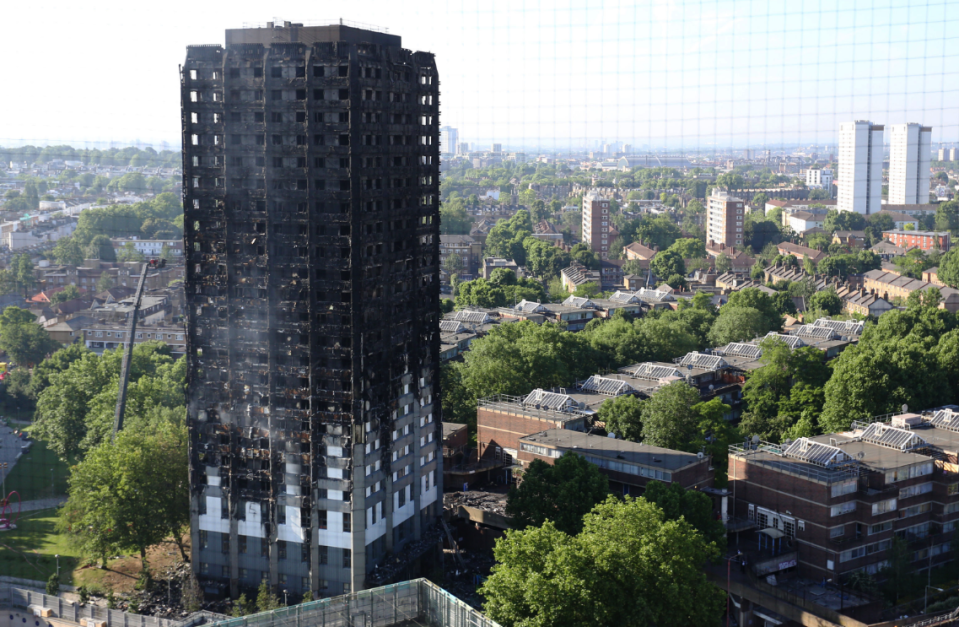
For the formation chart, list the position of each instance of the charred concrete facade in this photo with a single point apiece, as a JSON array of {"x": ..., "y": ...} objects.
[{"x": 311, "y": 194}]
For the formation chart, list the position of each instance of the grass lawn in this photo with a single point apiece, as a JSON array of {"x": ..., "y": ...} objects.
[
  {"x": 28, "y": 551},
  {"x": 38, "y": 474}
]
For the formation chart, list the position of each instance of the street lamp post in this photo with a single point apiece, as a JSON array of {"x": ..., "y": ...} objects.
[
  {"x": 285, "y": 592},
  {"x": 58, "y": 565},
  {"x": 729, "y": 562},
  {"x": 925, "y": 594}
]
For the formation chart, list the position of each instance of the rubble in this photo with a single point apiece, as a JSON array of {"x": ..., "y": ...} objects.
[
  {"x": 392, "y": 565},
  {"x": 487, "y": 501},
  {"x": 164, "y": 597}
]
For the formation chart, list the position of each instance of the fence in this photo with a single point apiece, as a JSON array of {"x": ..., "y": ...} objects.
[
  {"x": 396, "y": 604},
  {"x": 18, "y": 597}
]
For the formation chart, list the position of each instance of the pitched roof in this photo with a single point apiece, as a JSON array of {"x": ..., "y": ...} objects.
[{"x": 642, "y": 251}]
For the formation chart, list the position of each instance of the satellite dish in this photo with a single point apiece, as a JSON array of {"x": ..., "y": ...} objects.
[
  {"x": 860, "y": 455},
  {"x": 755, "y": 439},
  {"x": 711, "y": 387},
  {"x": 905, "y": 408},
  {"x": 612, "y": 436}
]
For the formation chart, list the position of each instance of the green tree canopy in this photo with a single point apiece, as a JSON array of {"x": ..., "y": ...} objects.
[
  {"x": 776, "y": 394},
  {"x": 907, "y": 357},
  {"x": 668, "y": 417},
  {"x": 843, "y": 221},
  {"x": 612, "y": 573},
  {"x": 737, "y": 324},
  {"x": 502, "y": 289},
  {"x": 694, "y": 507},
  {"x": 562, "y": 493},
  {"x": 623, "y": 415},
  {"x": 26, "y": 343},
  {"x": 667, "y": 263},
  {"x": 100, "y": 247},
  {"x": 130, "y": 494},
  {"x": 454, "y": 220},
  {"x": 75, "y": 410},
  {"x": 68, "y": 252},
  {"x": 827, "y": 302}
]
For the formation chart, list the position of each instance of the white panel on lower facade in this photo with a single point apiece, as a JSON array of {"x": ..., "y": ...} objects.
[
  {"x": 334, "y": 535},
  {"x": 253, "y": 525},
  {"x": 212, "y": 521},
  {"x": 377, "y": 529},
  {"x": 428, "y": 497},
  {"x": 291, "y": 531},
  {"x": 403, "y": 514}
]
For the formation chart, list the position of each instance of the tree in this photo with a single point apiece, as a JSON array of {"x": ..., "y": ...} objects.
[
  {"x": 70, "y": 292},
  {"x": 502, "y": 289},
  {"x": 128, "y": 252},
  {"x": 724, "y": 263},
  {"x": 562, "y": 494},
  {"x": 759, "y": 300},
  {"x": 949, "y": 268},
  {"x": 505, "y": 239},
  {"x": 130, "y": 493},
  {"x": 843, "y": 221},
  {"x": 689, "y": 248},
  {"x": 898, "y": 571},
  {"x": 13, "y": 316},
  {"x": 695, "y": 507},
  {"x": 100, "y": 247},
  {"x": 587, "y": 290},
  {"x": 737, "y": 324},
  {"x": 668, "y": 417},
  {"x": 105, "y": 282},
  {"x": 55, "y": 364},
  {"x": 68, "y": 252},
  {"x": 53, "y": 585},
  {"x": 906, "y": 357},
  {"x": 27, "y": 344},
  {"x": 583, "y": 255},
  {"x": 668, "y": 263},
  {"x": 826, "y": 301},
  {"x": 623, "y": 416},
  {"x": 75, "y": 411},
  {"x": 544, "y": 259},
  {"x": 453, "y": 264},
  {"x": 777, "y": 393},
  {"x": 947, "y": 216},
  {"x": 454, "y": 220},
  {"x": 541, "y": 573},
  {"x": 266, "y": 600}
]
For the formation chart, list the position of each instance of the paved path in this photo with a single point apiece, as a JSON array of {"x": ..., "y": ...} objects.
[{"x": 30, "y": 506}]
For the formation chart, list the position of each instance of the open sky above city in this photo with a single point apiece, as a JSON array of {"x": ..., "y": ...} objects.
[{"x": 567, "y": 74}]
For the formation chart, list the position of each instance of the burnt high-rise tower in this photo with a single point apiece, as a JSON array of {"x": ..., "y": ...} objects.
[{"x": 311, "y": 194}]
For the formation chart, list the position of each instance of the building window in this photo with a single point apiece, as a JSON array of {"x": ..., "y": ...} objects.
[
  {"x": 845, "y": 508},
  {"x": 324, "y": 556},
  {"x": 346, "y": 523},
  {"x": 889, "y": 505},
  {"x": 321, "y": 518},
  {"x": 347, "y": 558}
]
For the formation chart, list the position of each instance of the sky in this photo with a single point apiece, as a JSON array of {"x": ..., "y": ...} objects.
[{"x": 690, "y": 75}]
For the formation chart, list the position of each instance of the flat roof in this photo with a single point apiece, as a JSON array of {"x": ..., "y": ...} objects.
[
  {"x": 623, "y": 450},
  {"x": 874, "y": 456},
  {"x": 287, "y": 32},
  {"x": 449, "y": 428}
]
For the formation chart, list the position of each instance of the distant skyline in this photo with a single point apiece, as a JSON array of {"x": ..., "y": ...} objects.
[{"x": 682, "y": 75}]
